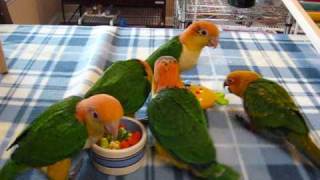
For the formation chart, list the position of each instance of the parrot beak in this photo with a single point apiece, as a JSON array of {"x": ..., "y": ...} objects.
[
  {"x": 214, "y": 41},
  {"x": 226, "y": 84},
  {"x": 113, "y": 128}
]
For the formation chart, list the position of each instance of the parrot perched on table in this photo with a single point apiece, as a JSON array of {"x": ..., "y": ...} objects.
[
  {"x": 130, "y": 81},
  {"x": 272, "y": 110},
  {"x": 61, "y": 132},
  {"x": 179, "y": 125}
]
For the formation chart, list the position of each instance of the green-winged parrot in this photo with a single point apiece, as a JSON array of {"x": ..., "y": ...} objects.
[
  {"x": 61, "y": 132},
  {"x": 129, "y": 81},
  {"x": 179, "y": 125},
  {"x": 271, "y": 110}
]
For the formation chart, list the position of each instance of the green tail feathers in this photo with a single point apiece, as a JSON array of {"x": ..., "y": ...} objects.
[
  {"x": 218, "y": 172},
  {"x": 10, "y": 170},
  {"x": 307, "y": 146}
]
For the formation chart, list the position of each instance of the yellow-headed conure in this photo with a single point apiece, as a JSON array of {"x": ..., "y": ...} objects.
[
  {"x": 61, "y": 132},
  {"x": 129, "y": 81},
  {"x": 272, "y": 110},
  {"x": 179, "y": 125}
]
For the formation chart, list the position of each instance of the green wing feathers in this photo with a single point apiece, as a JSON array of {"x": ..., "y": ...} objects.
[
  {"x": 179, "y": 125},
  {"x": 126, "y": 81},
  {"x": 270, "y": 106},
  {"x": 173, "y": 48},
  {"x": 54, "y": 135},
  {"x": 179, "y": 128}
]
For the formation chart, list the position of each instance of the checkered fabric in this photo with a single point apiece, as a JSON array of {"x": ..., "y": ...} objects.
[{"x": 47, "y": 63}]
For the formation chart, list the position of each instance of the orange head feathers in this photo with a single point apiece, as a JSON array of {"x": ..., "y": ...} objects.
[
  {"x": 238, "y": 81},
  {"x": 102, "y": 107},
  {"x": 100, "y": 112},
  {"x": 166, "y": 74},
  {"x": 200, "y": 34}
]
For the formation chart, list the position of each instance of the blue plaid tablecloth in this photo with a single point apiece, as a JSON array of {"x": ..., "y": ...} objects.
[{"x": 47, "y": 63}]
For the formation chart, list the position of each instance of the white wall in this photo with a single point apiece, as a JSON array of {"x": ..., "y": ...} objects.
[{"x": 33, "y": 11}]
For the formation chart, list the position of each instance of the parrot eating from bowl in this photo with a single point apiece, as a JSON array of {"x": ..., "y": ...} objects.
[{"x": 61, "y": 132}]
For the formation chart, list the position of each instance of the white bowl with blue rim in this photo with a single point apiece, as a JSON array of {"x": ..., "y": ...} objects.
[{"x": 122, "y": 161}]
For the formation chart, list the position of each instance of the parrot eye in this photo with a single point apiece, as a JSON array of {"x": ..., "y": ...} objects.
[
  {"x": 203, "y": 32},
  {"x": 230, "y": 81},
  {"x": 94, "y": 114}
]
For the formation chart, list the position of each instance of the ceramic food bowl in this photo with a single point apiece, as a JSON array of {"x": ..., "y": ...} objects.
[{"x": 121, "y": 161}]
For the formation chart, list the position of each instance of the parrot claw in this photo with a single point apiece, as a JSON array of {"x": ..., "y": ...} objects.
[
  {"x": 244, "y": 123},
  {"x": 74, "y": 171}
]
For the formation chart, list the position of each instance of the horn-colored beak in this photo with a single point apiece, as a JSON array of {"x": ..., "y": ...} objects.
[
  {"x": 214, "y": 41},
  {"x": 113, "y": 128}
]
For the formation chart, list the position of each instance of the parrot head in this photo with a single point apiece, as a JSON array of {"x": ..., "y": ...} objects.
[
  {"x": 100, "y": 112},
  {"x": 200, "y": 34},
  {"x": 238, "y": 81},
  {"x": 166, "y": 74}
]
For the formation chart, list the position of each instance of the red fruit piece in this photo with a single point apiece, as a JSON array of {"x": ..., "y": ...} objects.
[
  {"x": 136, "y": 135},
  {"x": 134, "y": 139},
  {"x": 124, "y": 144}
]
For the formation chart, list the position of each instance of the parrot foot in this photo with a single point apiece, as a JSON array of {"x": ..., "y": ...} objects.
[
  {"x": 244, "y": 123},
  {"x": 73, "y": 172}
]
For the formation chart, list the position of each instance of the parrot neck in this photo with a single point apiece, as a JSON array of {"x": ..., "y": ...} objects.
[
  {"x": 189, "y": 58},
  {"x": 165, "y": 81},
  {"x": 192, "y": 44},
  {"x": 95, "y": 131},
  {"x": 243, "y": 86}
]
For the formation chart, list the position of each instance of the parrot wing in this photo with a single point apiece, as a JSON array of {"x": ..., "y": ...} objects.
[
  {"x": 171, "y": 48},
  {"x": 178, "y": 123},
  {"x": 270, "y": 106},
  {"x": 55, "y": 135},
  {"x": 127, "y": 82}
]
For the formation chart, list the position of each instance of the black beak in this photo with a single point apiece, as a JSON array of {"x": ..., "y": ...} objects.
[{"x": 225, "y": 84}]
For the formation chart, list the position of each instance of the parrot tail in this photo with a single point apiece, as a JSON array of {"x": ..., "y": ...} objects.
[
  {"x": 218, "y": 172},
  {"x": 306, "y": 145},
  {"x": 11, "y": 169}
]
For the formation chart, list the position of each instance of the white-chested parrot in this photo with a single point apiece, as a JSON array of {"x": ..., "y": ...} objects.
[
  {"x": 61, "y": 132},
  {"x": 179, "y": 125},
  {"x": 271, "y": 110},
  {"x": 186, "y": 47},
  {"x": 129, "y": 81}
]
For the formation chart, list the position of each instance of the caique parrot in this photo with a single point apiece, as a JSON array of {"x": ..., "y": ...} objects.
[
  {"x": 186, "y": 47},
  {"x": 272, "y": 110},
  {"x": 61, "y": 132},
  {"x": 130, "y": 81},
  {"x": 178, "y": 124}
]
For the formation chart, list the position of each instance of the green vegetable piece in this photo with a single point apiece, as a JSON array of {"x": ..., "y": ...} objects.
[
  {"x": 219, "y": 94},
  {"x": 222, "y": 101},
  {"x": 104, "y": 143}
]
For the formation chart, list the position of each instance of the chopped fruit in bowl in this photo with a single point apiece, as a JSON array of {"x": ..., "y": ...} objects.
[
  {"x": 123, "y": 154},
  {"x": 125, "y": 139}
]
